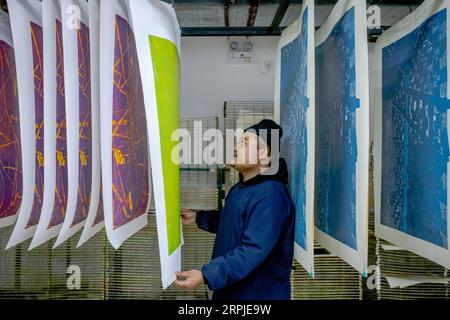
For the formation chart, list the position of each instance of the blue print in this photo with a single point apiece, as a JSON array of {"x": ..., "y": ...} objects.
[
  {"x": 336, "y": 141},
  {"x": 294, "y": 104},
  {"x": 415, "y": 146}
]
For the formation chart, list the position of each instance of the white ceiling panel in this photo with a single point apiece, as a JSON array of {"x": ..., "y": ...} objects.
[
  {"x": 238, "y": 15},
  {"x": 390, "y": 15},
  {"x": 265, "y": 15},
  {"x": 211, "y": 17}
]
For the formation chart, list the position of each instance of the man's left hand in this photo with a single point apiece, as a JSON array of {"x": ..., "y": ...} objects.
[{"x": 189, "y": 280}]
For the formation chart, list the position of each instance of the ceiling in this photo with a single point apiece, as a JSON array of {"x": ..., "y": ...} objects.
[
  {"x": 262, "y": 17},
  {"x": 265, "y": 17}
]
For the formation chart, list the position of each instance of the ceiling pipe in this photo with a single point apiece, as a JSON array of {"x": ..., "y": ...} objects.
[
  {"x": 252, "y": 12},
  {"x": 226, "y": 13},
  {"x": 227, "y": 32}
]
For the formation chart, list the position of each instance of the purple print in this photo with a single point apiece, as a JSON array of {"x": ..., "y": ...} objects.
[
  {"x": 38, "y": 68},
  {"x": 130, "y": 180},
  {"x": 85, "y": 128},
  {"x": 60, "y": 204},
  {"x": 10, "y": 155}
]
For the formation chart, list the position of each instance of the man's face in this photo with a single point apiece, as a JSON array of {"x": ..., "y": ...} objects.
[{"x": 247, "y": 151}]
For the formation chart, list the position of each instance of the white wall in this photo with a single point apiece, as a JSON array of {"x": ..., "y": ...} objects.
[{"x": 208, "y": 79}]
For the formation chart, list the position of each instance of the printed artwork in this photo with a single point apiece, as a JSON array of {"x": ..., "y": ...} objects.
[
  {"x": 415, "y": 136},
  {"x": 60, "y": 202},
  {"x": 294, "y": 104},
  {"x": 342, "y": 134},
  {"x": 411, "y": 142},
  {"x": 55, "y": 195},
  {"x": 36, "y": 41},
  {"x": 166, "y": 71},
  {"x": 294, "y": 109},
  {"x": 10, "y": 153},
  {"x": 126, "y": 181},
  {"x": 95, "y": 217},
  {"x": 25, "y": 20},
  {"x": 85, "y": 127},
  {"x": 130, "y": 163},
  {"x": 336, "y": 147},
  {"x": 157, "y": 34}
]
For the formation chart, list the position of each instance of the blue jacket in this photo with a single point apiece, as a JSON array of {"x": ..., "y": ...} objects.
[{"x": 253, "y": 250}]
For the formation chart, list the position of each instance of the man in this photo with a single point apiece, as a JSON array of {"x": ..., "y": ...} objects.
[{"x": 253, "y": 250}]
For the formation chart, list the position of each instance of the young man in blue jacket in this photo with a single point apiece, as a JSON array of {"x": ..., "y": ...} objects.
[{"x": 253, "y": 249}]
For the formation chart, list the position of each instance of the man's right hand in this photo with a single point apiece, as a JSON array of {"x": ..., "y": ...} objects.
[{"x": 188, "y": 216}]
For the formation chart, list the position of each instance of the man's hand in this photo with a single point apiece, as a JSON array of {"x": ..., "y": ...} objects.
[
  {"x": 188, "y": 216},
  {"x": 189, "y": 280}
]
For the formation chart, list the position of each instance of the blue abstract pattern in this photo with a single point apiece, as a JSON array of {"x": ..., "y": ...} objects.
[
  {"x": 415, "y": 146},
  {"x": 294, "y": 105},
  {"x": 336, "y": 140}
]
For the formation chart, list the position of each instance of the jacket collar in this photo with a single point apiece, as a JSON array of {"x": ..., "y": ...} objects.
[{"x": 274, "y": 173}]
